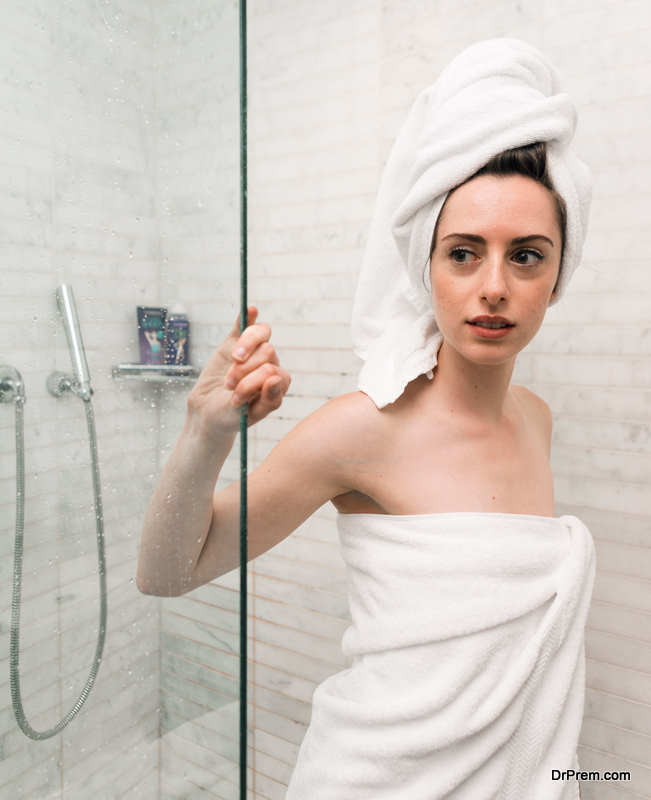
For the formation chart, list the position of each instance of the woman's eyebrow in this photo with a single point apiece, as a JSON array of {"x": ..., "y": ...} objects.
[{"x": 518, "y": 239}]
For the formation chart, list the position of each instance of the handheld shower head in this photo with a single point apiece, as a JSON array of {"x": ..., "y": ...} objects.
[{"x": 68, "y": 309}]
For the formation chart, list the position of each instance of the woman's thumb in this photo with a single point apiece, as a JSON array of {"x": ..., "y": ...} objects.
[{"x": 252, "y": 311}]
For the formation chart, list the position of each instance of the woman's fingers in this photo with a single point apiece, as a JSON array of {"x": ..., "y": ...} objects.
[
  {"x": 221, "y": 357},
  {"x": 252, "y": 337},
  {"x": 232, "y": 377},
  {"x": 254, "y": 382},
  {"x": 264, "y": 353},
  {"x": 264, "y": 402}
]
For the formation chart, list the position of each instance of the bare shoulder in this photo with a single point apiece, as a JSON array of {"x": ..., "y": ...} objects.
[
  {"x": 357, "y": 425},
  {"x": 338, "y": 432},
  {"x": 336, "y": 435},
  {"x": 354, "y": 408},
  {"x": 535, "y": 402},
  {"x": 538, "y": 409}
]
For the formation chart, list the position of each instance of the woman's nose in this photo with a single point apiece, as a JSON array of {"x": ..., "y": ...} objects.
[{"x": 493, "y": 279}]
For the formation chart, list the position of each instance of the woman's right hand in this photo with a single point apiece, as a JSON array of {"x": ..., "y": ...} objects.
[{"x": 254, "y": 377}]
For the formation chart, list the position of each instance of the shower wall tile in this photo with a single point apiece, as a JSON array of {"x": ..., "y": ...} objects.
[
  {"x": 77, "y": 205},
  {"x": 41, "y": 779},
  {"x": 325, "y": 105},
  {"x": 134, "y": 749},
  {"x": 145, "y": 787},
  {"x": 42, "y": 707}
]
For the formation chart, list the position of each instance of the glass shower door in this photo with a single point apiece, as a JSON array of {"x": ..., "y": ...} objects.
[{"x": 120, "y": 178}]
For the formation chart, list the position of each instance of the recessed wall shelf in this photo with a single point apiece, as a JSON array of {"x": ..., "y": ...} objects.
[{"x": 156, "y": 373}]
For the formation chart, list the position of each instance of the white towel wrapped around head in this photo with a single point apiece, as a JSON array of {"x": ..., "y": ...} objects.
[{"x": 495, "y": 95}]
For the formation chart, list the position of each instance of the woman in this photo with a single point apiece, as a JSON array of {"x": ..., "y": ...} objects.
[
  {"x": 369, "y": 460},
  {"x": 467, "y": 602}
]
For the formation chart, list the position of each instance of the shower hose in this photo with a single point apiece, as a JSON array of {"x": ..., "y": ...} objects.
[{"x": 14, "y": 644}]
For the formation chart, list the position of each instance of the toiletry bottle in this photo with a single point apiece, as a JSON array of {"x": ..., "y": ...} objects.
[
  {"x": 178, "y": 336},
  {"x": 151, "y": 333}
]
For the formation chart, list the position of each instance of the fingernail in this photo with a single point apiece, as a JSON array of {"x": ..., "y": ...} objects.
[
  {"x": 240, "y": 352},
  {"x": 236, "y": 399},
  {"x": 229, "y": 383},
  {"x": 274, "y": 389}
]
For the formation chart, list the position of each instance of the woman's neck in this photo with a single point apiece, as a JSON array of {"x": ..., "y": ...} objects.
[{"x": 477, "y": 394}]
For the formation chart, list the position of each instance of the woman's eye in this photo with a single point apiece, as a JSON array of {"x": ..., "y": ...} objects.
[
  {"x": 530, "y": 252},
  {"x": 456, "y": 251},
  {"x": 462, "y": 251}
]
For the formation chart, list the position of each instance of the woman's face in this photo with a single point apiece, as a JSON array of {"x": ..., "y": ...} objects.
[{"x": 495, "y": 276}]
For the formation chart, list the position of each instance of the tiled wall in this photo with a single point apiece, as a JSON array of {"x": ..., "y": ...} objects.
[
  {"x": 118, "y": 175},
  {"x": 330, "y": 85},
  {"x": 76, "y": 206}
]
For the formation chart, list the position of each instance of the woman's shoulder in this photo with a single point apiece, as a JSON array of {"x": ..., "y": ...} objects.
[
  {"x": 534, "y": 401},
  {"x": 537, "y": 409},
  {"x": 357, "y": 406},
  {"x": 363, "y": 425},
  {"x": 355, "y": 413},
  {"x": 361, "y": 428}
]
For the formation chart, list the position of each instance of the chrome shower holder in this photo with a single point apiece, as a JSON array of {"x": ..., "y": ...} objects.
[
  {"x": 58, "y": 383},
  {"x": 12, "y": 388}
]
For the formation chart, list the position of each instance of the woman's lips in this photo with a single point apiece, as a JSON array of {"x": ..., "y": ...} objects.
[{"x": 490, "y": 333}]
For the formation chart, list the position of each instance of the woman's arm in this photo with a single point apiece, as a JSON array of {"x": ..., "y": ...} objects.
[
  {"x": 191, "y": 535},
  {"x": 310, "y": 465},
  {"x": 180, "y": 511}
]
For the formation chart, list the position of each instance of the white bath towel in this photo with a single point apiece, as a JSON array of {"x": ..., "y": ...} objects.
[
  {"x": 494, "y": 95},
  {"x": 468, "y": 666}
]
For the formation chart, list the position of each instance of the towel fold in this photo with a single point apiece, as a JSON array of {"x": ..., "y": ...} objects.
[
  {"x": 495, "y": 95},
  {"x": 468, "y": 668}
]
